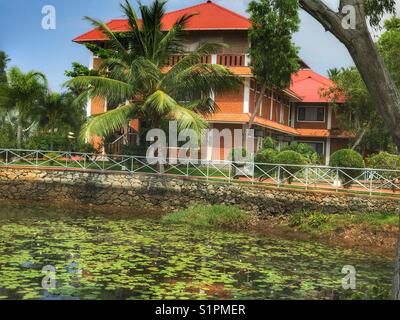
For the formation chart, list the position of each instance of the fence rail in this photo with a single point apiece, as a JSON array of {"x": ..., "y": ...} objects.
[{"x": 368, "y": 180}]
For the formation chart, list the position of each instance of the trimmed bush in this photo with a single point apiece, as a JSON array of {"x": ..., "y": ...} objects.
[
  {"x": 291, "y": 158},
  {"x": 384, "y": 160},
  {"x": 216, "y": 216},
  {"x": 304, "y": 149},
  {"x": 266, "y": 156},
  {"x": 347, "y": 158}
]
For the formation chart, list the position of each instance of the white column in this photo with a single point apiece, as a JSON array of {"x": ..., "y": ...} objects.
[
  {"x": 329, "y": 124},
  {"x": 210, "y": 142},
  {"x": 328, "y": 151},
  {"x": 214, "y": 59},
  {"x": 246, "y": 99},
  {"x": 293, "y": 114},
  {"x": 247, "y": 60}
]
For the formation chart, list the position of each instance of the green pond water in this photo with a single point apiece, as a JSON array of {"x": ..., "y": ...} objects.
[{"x": 99, "y": 256}]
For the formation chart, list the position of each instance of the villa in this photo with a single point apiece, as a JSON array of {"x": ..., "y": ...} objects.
[{"x": 298, "y": 113}]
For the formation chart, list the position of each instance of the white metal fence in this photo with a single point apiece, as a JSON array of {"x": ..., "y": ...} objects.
[{"x": 366, "y": 180}]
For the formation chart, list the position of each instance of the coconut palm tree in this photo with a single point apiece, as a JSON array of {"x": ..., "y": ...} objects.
[
  {"x": 136, "y": 78},
  {"x": 21, "y": 95},
  {"x": 58, "y": 111}
]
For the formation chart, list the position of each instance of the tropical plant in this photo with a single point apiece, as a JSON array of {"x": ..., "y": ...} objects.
[
  {"x": 58, "y": 112},
  {"x": 387, "y": 161},
  {"x": 304, "y": 149},
  {"x": 292, "y": 162},
  {"x": 138, "y": 81},
  {"x": 3, "y": 64},
  {"x": 22, "y": 94},
  {"x": 347, "y": 158}
]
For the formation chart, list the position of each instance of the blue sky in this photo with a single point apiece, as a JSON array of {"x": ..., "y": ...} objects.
[{"x": 52, "y": 51}]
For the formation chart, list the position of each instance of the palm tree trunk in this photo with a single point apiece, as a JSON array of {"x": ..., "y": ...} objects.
[
  {"x": 52, "y": 138},
  {"x": 19, "y": 134}
]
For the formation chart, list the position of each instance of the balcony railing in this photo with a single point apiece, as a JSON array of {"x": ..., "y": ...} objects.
[
  {"x": 229, "y": 60},
  {"x": 232, "y": 60}
]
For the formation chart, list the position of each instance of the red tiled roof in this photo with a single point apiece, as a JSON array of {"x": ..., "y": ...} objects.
[
  {"x": 324, "y": 133},
  {"x": 309, "y": 85},
  {"x": 242, "y": 118},
  {"x": 245, "y": 117},
  {"x": 209, "y": 16}
]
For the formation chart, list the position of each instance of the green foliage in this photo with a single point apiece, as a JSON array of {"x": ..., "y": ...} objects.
[
  {"x": 384, "y": 160},
  {"x": 216, "y": 216},
  {"x": 347, "y": 158},
  {"x": 238, "y": 154},
  {"x": 3, "y": 64},
  {"x": 45, "y": 142},
  {"x": 266, "y": 156},
  {"x": 321, "y": 223},
  {"x": 308, "y": 220},
  {"x": 389, "y": 48},
  {"x": 274, "y": 56},
  {"x": 79, "y": 70},
  {"x": 290, "y": 157},
  {"x": 22, "y": 94},
  {"x": 270, "y": 143},
  {"x": 375, "y": 9},
  {"x": 132, "y": 79},
  {"x": 304, "y": 149}
]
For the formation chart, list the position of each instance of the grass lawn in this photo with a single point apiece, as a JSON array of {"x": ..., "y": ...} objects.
[{"x": 216, "y": 216}]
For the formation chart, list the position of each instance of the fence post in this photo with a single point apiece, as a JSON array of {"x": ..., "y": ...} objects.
[
  {"x": 7, "y": 157},
  {"x": 208, "y": 169},
  {"x": 306, "y": 178},
  {"x": 279, "y": 176},
  {"x": 370, "y": 183},
  {"x": 337, "y": 180}
]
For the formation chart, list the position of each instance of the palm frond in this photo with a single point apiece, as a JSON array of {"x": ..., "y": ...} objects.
[
  {"x": 203, "y": 79},
  {"x": 104, "y": 124},
  {"x": 160, "y": 102},
  {"x": 205, "y": 106},
  {"x": 114, "y": 42},
  {"x": 188, "y": 119},
  {"x": 95, "y": 86}
]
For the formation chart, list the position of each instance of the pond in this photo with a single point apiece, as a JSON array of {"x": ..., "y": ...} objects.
[{"x": 108, "y": 256}]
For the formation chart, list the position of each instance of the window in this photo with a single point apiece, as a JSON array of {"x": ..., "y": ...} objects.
[
  {"x": 317, "y": 146},
  {"x": 312, "y": 114}
]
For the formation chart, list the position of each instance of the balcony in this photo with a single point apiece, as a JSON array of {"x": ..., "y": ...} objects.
[{"x": 228, "y": 60}]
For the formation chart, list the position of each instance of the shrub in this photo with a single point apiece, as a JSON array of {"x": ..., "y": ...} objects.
[
  {"x": 384, "y": 160},
  {"x": 266, "y": 156},
  {"x": 347, "y": 158},
  {"x": 238, "y": 155},
  {"x": 211, "y": 217},
  {"x": 291, "y": 158},
  {"x": 270, "y": 143},
  {"x": 43, "y": 142},
  {"x": 304, "y": 149}
]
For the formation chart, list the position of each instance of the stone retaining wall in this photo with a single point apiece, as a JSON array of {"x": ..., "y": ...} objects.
[{"x": 165, "y": 193}]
